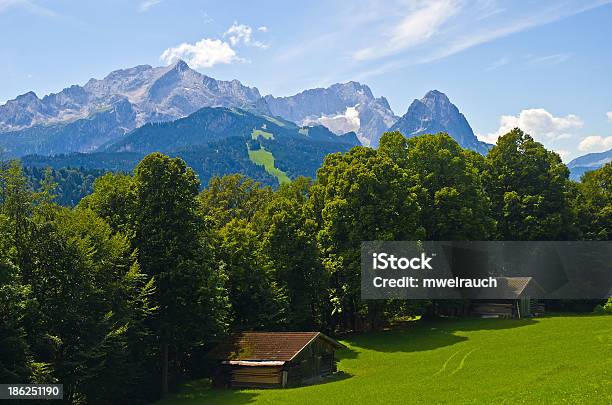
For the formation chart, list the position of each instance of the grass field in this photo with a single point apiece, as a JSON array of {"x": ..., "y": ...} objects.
[
  {"x": 256, "y": 133},
  {"x": 274, "y": 120},
  {"x": 265, "y": 158},
  {"x": 552, "y": 360}
]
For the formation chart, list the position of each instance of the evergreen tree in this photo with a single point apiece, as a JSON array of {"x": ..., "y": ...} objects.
[
  {"x": 289, "y": 244},
  {"x": 256, "y": 302},
  {"x": 171, "y": 243},
  {"x": 15, "y": 355},
  {"x": 76, "y": 300}
]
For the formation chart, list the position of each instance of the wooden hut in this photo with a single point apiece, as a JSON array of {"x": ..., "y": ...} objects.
[
  {"x": 273, "y": 359},
  {"x": 514, "y": 297}
]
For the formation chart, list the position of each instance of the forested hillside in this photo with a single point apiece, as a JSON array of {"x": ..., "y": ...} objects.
[
  {"x": 216, "y": 142},
  {"x": 71, "y": 184},
  {"x": 120, "y": 297}
]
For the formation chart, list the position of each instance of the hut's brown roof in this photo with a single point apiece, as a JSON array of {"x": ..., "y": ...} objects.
[
  {"x": 513, "y": 288},
  {"x": 267, "y": 346}
]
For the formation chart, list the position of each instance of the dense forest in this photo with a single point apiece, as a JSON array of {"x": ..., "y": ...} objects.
[
  {"x": 70, "y": 184},
  {"x": 120, "y": 297}
]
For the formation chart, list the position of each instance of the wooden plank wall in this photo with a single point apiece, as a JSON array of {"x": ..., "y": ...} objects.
[{"x": 256, "y": 376}]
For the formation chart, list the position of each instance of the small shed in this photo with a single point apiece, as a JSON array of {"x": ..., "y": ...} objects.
[
  {"x": 514, "y": 297},
  {"x": 273, "y": 359}
]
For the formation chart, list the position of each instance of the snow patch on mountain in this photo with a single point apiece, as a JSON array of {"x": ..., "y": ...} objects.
[{"x": 338, "y": 123}]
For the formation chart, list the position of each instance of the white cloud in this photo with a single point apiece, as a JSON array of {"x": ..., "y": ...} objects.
[
  {"x": 338, "y": 123},
  {"x": 263, "y": 28},
  {"x": 209, "y": 52},
  {"x": 539, "y": 123},
  {"x": 431, "y": 30},
  {"x": 28, "y": 6},
  {"x": 239, "y": 32},
  {"x": 242, "y": 33},
  {"x": 497, "y": 64},
  {"x": 207, "y": 19},
  {"x": 147, "y": 5},
  {"x": 595, "y": 143},
  {"x": 565, "y": 155},
  {"x": 609, "y": 115},
  {"x": 489, "y": 138},
  {"x": 203, "y": 54},
  {"x": 6, "y": 4},
  {"x": 420, "y": 25},
  {"x": 549, "y": 59}
]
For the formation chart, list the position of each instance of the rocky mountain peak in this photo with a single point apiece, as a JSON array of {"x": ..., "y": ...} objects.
[
  {"x": 352, "y": 89},
  {"x": 349, "y": 106},
  {"x": 438, "y": 103},
  {"x": 436, "y": 95},
  {"x": 436, "y": 113},
  {"x": 384, "y": 102},
  {"x": 180, "y": 65},
  {"x": 27, "y": 98}
]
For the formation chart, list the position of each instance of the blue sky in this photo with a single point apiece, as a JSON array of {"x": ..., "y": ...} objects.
[{"x": 542, "y": 65}]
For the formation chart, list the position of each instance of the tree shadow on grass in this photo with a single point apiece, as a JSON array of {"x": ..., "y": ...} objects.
[
  {"x": 570, "y": 315},
  {"x": 474, "y": 324},
  {"x": 426, "y": 335},
  {"x": 329, "y": 379},
  {"x": 402, "y": 340},
  {"x": 201, "y": 392}
]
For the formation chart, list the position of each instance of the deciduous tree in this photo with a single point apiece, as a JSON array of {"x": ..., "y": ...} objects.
[{"x": 530, "y": 190}]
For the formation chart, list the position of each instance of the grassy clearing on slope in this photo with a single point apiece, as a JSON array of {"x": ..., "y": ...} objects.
[
  {"x": 258, "y": 132},
  {"x": 265, "y": 158},
  {"x": 565, "y": 359},
  {"x": 274, "y": 120}
]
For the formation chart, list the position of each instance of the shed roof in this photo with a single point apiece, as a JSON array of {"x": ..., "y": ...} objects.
[
  {"x": 578, "y": 289},
  {"x": 267, "y": 346},
  {"x": 512, "y": 288}
]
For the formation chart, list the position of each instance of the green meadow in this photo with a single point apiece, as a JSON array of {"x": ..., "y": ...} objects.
[
  {"x": 550, "y": 360},
  {"x": 256, "y": 133},
  {"x": 266, "y": 159}
]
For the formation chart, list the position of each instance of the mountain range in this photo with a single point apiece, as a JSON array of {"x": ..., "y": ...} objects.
[
  {"x": 154, "y": 94},
  {"x": 84, "y": 118},
  {"x": 116, "y": 114},
  {"x": 588, "y": 162}
]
